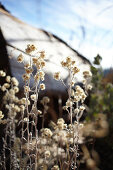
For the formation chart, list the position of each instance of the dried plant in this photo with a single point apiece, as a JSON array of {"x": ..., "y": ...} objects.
[{"x": 55, "y": 147}]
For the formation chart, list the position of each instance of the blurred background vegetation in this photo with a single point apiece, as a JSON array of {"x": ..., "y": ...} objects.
[{"x": 101, "y": 101}]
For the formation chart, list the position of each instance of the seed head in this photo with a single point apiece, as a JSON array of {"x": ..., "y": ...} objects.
[
  {"x": 8, "y": 79},
  {"x": 14, "y": 81},
  {"x": 57, "y": 76},
  {"x": 2, "y": 73},
  {"x": 42, "y": 86},
  {"x": 20, "y": 58}
]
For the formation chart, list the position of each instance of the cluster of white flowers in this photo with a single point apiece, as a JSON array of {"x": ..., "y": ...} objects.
[
  {"x": 33, "y": 68},
  {"x": 30, "y": 48},
  {"x": 20, "y": 58},
  {"x": 74, "y": 104},
  {"x": 38, "y": 62},
  {"x": 57, "y": 76},
  {"x": 11, "y": 101},
  {"x": 52, "y": 143},
  {"x": 79, "y": 94},
  {"x": 1, "y": 115},
  {"x": 46, "y": 132},
  {"x": 2, "y": 73},
  {"x": 87, "y": 80},
  {"x": 55, "y": 167},
  {"x": 87, "y": 74},
  {"x": 71, "y": 65},
  {"x": 10, "y": 81},
  {"x": 45, "y": 148}
]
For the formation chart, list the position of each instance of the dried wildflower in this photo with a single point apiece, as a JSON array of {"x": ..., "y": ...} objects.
[
  {"x": 11, "y": 105},
  {"x": 69, "y": 103},
  {"x": 26, "y": 119},
  {"x": 76, "y": 98},
  {"x": 60, "y": 125},
  {"x": 26, "y": 77},
  {"x": 78, "y": 88},
  {"x": 65, "y": 126},
  {"x": 70, "y": 64},
  {"x": 11, "y": 91},
  {"x": 27, "y": 65},
  {"x": 8, "y": 79},
  {"x": 64, "y": 107},
  {"x": 87, "y": 74},
  {"x": 3, "y": 88},
  {"x": 55, "y": 167},
  {"x": 28, "y": 70},
  {"x": 84, "y": 81},
  {"x": 34, "y": 59},
  {"x": 30, "y": 48},
  {"x": 42, "y": 86},
  {"x": 42, "y": 63},
  {"x": 47, "y": 154},
  {"x": 20, "y": 58},
  {"x": 76, "y": 111},
  {"x": 16, "y": 100},
  {"x": 68, "y": 59},
  {"x": 37, "y": 76},
  {"x": 22, "y": 107},
  {"x": 73, "y": 62},
  {"x": 2, "y": 73},
  {"x": 79, "y": 91},
  {"x": 39, "y": 112},
  {"x": 83, "y": 97},
  {"x": 1, "y": 115},
  {"x": 72, "y": 83},
  {"x": 89, "y": 86},
  {"x": 14, "y": 81},
  {"x": 72, "y": 92},
  {"x": 38, "y": 66},
  {"x": 50, "y": 144},
  {"x": 79, "y": 94},
  {"x": 42, "y": 54},
  {"x": 82, "y": 108},
  {"x": 57, "y": 76},
  {"x": 64, "y": 64},
  {"x": 16, "y": 108},
  {"x": 26, "y": 89},
  {"x": 47, "y": 132},
  {"x": 60, "y": 150},
  {"x": 52, "y": 124},
  {"x": 70, "y": 126},
  {"x": 33, "y": 97},
  {"x": 42, "y": 74},
  {"x": 16, "y": 89},
  {"x": 24, "y": 101},
  {"x": 60, "y": 120},
  {"x": 12, "y": 97},
  {"x": 75, "y": 70}
]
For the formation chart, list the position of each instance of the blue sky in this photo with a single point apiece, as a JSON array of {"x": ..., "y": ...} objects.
[{"x": 86, "y": 25}]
